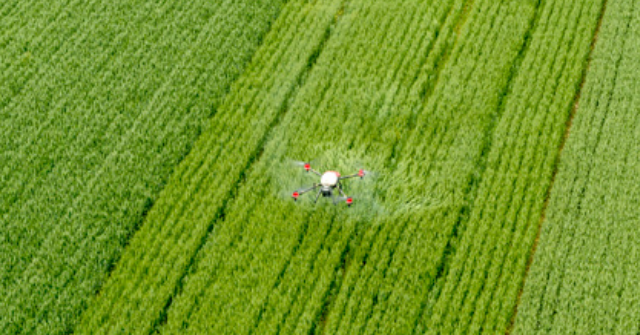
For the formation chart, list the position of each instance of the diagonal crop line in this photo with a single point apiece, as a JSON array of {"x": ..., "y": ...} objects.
[
  {"x": 426, "y": 89},
  {"x": 186, "y": 153},
  {"x": 263, "y": 306},
  {"x": 327, "y": 234},
  {"x": 302, "y": 80},
  {"x": 582, "y": 189},
  {"x": 404, "y": 231},
  {"x": 177, "y": 170},
  {"x": 472, "y": 189},
  {"x": 303, "y": 231},
  {"x": 207, "y": 146},
  {"x": 97, "y": 65},
  {"x": 29, "y": 78},
  {"x": 32, "y": 77},
  {"x": 122, "y": 141},
  {"x": 414, "y": 84},
  {"x": 567, "y": 132},
  {"x": 289, "y": 97},
  {"x": 522, "y": 209},
  {"x": 331, "y": 295},
  {"x": 513, "y": 239},
  {"x": 337, "y": 281}
]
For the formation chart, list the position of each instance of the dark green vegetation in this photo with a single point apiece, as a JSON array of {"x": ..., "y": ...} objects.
[
  {"x": 584, "y": 278},
  {"x": 100, "y": 101},
  {"x": 145, "y": 185}
]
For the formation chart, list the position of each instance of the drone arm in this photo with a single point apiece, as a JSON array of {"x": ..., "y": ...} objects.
[
  {"x": 360, "y": 174},
  {"x": 316, "y": 172},
  {"x": 297, "y": 194},
  {"x": 308, "y": 189},
  {"x": 348, "y": 199}
]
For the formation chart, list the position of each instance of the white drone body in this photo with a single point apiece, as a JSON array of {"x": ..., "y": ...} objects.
[
  {"x": 329, "y": 182},
  {"x": 330, "y": 179}
]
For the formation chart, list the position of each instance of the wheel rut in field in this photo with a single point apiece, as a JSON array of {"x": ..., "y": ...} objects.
[
  {"x": 289, "y": 98},
  {"x": 471, "y": 191},
  {"x": 567, "y": 132},
  {"x": 151, "y": 202},
  {"x": 425, "y": 90}
]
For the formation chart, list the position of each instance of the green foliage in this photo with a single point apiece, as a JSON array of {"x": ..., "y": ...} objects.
[
  {"x": 484, "y": 275},
  {"x": 584, "y": 277},
  {"x": 459, "y": 106},
  {"x": 150, "y": 270},
  {"x": 270, "y": 264},
  {"x": 110, "y": 97}
]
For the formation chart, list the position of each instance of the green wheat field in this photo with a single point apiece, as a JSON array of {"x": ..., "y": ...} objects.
[{"x": 146, "y": 174}]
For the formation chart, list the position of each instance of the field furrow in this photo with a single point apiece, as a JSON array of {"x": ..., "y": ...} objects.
[
  {"x": 106, "y": 121},
  {"x": 317, "y": 284},
  {"x": 153, "y": 157},
  {"x": 580, "y": 278},
  {"x": 150, "y": 272},
  {"x": 491, "y": 256},
  {"x": 389, "y": 299},
  {"x": 316, "y": 240}
]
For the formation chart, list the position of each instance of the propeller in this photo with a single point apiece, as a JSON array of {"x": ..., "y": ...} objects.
[
  {"x": 368, "y": 173},
  {"x": 347, "y": 200},
  {"x": 362, "y": 172},
  {"x": 305, "y": 165}
]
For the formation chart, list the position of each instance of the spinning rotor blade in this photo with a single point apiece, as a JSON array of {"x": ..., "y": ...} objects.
[
  {"x": 348, "y": 200},
  {"x": 367, "y": 173},
  {"x": 303, "y": 190},
  {"x": 362, "y": 171},
  {"x": 300, "y": 163},
  {"x": 306, "y": 165},
  {"x": 360, "y": 174}
]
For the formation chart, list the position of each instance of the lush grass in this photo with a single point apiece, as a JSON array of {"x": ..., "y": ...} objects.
[
  {"x": 460, "y": 106},
  {"x": 401, "y": 258},
  {"x": 484, "y": 275},
  {"x": 584, "y": 276},
  {"x": 100, "y": 101},
  {"x": 271, "y": 264},
  {"x": 150, "y": 271}
]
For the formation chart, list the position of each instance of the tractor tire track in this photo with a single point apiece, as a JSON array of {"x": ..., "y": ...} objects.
[{"x": 567, "y": 131}]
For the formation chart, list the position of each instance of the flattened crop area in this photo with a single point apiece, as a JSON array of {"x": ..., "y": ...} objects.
[{"x": 145, "y": 176}]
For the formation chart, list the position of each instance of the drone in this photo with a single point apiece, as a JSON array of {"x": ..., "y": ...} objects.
[{"x": 330, "y": 181}]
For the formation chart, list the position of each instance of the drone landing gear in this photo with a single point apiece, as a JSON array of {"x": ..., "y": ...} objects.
[
  {"x": 348, "y": 199},
  {"x": 318, "y": 196}
]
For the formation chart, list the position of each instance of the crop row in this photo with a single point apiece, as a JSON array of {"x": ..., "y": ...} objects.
[
  {"x": 150, "y": 271},
  {"x": 395, "y": 270},
  {"x": 584, "y": 276},
  {"x": 273, "y": 264},
  {"x": 485, "y": 273},
  {"x": 92, "y": 133},
  {"x": 48, "y": 61},
  {"x": 24, "y": 40}
]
